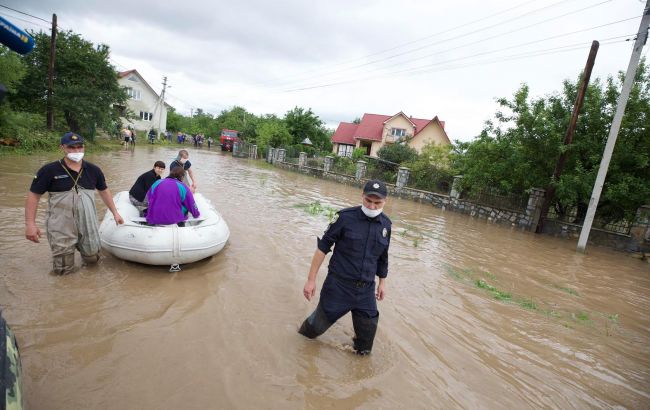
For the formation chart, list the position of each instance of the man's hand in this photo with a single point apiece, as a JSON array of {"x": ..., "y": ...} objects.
[
  {"x": 193, "y": 188},
  {"x": 310, "y": 289},
  {"x": 380, "y": 291},
  {"x": 32, "y": 233},
  {"x": 118, "y": 218}
]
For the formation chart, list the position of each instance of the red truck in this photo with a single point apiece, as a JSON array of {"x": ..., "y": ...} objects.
[{"x": 228, "y": 139}]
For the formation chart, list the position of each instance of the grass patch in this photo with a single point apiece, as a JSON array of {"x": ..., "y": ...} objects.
[
  {"x": 527, "y": 303},
  {"x": 316, "y": 208},
  {"x": 567, "y": 290},
  {"x": 496, "y": 293}
]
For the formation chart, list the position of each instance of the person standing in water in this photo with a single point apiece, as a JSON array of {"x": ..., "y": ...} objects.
[{"x": 71, "y": 217}]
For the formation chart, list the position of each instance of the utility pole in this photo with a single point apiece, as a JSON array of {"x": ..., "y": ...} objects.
[
  {"x": 50, "y": 76},
  {"x": 568, "y": 137},
  {"x": 641, "y": 37},
  {"x": 162, "y": 107}
]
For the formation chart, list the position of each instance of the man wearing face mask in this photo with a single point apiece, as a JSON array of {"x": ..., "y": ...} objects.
[
  {"x": 71, "y": 217},
  {"x": 361, "y": 236},
  {"x": 182, "y": 160},
  {"x": 138, "y": 192}
]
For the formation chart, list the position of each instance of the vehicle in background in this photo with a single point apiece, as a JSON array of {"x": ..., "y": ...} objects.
[{"x": 228, "y": 139}]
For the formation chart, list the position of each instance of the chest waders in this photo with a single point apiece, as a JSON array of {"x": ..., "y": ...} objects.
[{"x": 72, "y": 224}]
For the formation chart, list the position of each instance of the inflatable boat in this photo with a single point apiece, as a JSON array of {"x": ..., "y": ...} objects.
[
  {"x": 171, "y": 245},
  {"x": 10, "y": 370}
]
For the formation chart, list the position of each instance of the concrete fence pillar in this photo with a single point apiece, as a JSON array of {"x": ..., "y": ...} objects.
[
  {"x": 328, "y": 163},
  {"x": 402, "y": 177},
  {"x": 534, "y": 208},
  {"x": 302, "y": 159},
  {"x": 270, "y": 155},
  {"x": 455, "y": 187},
  {"x": 281, "y": 155},
  {"x": 361, "y": 170},
  {"x": 640, "y": 231},
  {"x": 253, "y": 152}
]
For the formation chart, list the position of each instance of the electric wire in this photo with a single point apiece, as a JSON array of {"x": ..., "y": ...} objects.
[
  {"x": 426, "y": 69},
  {"x": 22, "y": 12},
  {"x": 506, "y": 48},
  {"x": 465, "y": 35}
]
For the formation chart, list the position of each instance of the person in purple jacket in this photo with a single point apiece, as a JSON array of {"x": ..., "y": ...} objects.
[{"x": 170, "y": 200}]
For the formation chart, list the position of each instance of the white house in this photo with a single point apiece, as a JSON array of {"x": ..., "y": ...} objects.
[{"x": 149, "y": 109}]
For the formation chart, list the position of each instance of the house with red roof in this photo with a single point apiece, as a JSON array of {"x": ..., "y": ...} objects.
[
  {"x": 374, "y": 131},
  {"x": 149, "y": 109}
]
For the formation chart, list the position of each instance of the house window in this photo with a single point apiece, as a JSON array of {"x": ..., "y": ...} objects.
[
  {"x": 134, "y": 94},
  {"x": 345, "y": 150},
  {"x": 398, "y": 132},
  {"x": 133, "y": 78},
  {"x": 146, "y": 116}
]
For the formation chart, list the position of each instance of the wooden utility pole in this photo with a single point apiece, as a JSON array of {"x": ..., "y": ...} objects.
[
  {"x": 50, "y": 76},
  {"x": 568, "y": 137},
  {"x": 641, "y": 37}
]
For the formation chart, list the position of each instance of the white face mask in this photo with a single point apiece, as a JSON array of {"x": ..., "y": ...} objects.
[
  {"x": 75, "y": 156},
  {"x": 183, "y": 160},
  {"x": 371, "y": 213}
]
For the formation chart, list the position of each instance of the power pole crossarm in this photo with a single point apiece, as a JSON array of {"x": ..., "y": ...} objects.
[{"x": 641, "y": 37}]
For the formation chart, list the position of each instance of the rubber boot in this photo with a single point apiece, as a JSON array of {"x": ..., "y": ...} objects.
[
  {"x": 316, "y": 324},
  {"x": 63, "y": 264},
  {"x": 365, "y": 329},
  {"x": 89, "y": 260}
]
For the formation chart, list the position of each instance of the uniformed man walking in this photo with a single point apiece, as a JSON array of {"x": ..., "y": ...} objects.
[
  {"x": 362, "y": 237},
  {"x": 71, "y": 216}
]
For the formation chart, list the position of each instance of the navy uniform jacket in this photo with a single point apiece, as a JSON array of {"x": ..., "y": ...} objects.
[{"x": 361, "y": 250}]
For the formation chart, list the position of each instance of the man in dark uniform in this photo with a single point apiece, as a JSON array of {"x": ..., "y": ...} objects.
[
  {"x": 362, "y": 237},
  {"x": 72, "y": 217}
]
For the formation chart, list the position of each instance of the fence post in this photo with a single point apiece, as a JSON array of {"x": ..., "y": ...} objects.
[
  {"x": 455, "y": 187},
  {"x": 281, "y": 154},
  {"x": 402, "y": 177},
  {"x": 361, "y": 170},
  {"x": 640, "y": 230},
  {"x": 533, "y": 209},
  {"x": 235, "y": 150},
  {"x": 253, "y": 152},
  {"x": 302, "y": 159},
  {"x": 327, "y": 165},
  {"x": 270, "y": 155}
]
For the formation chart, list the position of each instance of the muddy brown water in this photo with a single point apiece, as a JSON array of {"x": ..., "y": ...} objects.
[{"x": 476, "y": 315}]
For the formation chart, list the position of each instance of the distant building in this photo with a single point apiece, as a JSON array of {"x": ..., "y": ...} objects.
[
  {"x": 374, "y": 131},
  {"x": 144, "y": 103}
]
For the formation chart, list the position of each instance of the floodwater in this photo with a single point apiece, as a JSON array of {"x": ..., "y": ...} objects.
[{"x": 476, "y": 315}]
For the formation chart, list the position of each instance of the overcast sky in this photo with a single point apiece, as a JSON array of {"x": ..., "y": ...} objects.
[{"x": 346, "y": 58}]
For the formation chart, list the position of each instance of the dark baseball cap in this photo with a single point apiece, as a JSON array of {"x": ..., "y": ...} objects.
[
  {"x": 375, "y": 187},
  {"x": 70, "y": 138}
]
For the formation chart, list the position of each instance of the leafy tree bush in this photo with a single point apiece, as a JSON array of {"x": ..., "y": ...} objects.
[
  {"x": 85, "y": 85},
  {"x": 397, "y": 153}
]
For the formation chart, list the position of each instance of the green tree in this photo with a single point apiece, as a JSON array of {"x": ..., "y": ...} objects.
[
  {"x": 85, "y": 89},
  {"x": 273, "y": 132},
  {"x": 303, "y": 124},
  {"x": 397, "y": 153},
  {"x": 520, "y": 150}
]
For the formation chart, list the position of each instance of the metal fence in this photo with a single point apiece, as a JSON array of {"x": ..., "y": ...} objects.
[
  {"x": 241, "y": 149},
  {"x": 381, "y": 169},
  {"x": 515, "y": 202},
  {"x": 570, "y": 215}
]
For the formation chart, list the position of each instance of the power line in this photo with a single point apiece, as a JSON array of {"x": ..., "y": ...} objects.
[
  {"x": 498, "y": 24},
  {"x": 25, "y": 20},
  {"x": 26, "y": 14},
  {"x": 420, "y": 39},
  {"x": 426, "y": 69},
  {"x": 505, "y": 48}
]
